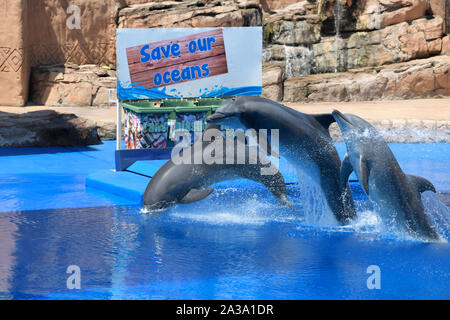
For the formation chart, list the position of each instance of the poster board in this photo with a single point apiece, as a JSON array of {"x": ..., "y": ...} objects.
[{"x": 189, "y": 62}]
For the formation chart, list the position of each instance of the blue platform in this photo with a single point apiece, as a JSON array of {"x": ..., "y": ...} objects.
[{"x": 130, "y": 184}]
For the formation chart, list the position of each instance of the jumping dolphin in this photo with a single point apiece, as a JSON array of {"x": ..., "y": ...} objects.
[
  {"x": 381, "y": 177},
  {"x": 178, "y": 182},
  {"x": 303, "y": 139}
]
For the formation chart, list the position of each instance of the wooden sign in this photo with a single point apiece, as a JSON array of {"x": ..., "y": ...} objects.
[{"x": 169, "y": 62}]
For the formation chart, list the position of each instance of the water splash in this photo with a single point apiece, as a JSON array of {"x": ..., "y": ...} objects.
[
  {"x": 235, "y": 206},
  {"x": 438, "y": 213},
  {"x": 312, "y": 203}
]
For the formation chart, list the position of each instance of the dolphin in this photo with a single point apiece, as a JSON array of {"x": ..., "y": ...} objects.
[
  {"x": 304, "y": 141},
  {"x": 381, "y": 177},
  {"x": 177, "y": 182}
]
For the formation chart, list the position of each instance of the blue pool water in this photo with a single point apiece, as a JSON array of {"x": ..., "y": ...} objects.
[{"x": 236, "y": 244}]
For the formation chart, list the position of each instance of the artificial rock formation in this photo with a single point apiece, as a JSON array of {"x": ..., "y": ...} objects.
[
  {"x": 413, "y": 79},
  {"x": 300, "y": 38},
  {"x": 46, "y": 128},
  {"x": 190, "y": 14},
  {"x": 70, "y": 84},
  {"x": 329, "y": 38}
]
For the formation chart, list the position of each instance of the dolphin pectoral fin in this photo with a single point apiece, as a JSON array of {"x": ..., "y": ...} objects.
[
  {"x": 284, "y": 201},
  {"x": 421, "y": 184},
  {"x": 364, "y": 174},
  {"x": 346, "y": 170},
  {"x": 196, "y": 195},
  {"x": 325, "y": 119}
]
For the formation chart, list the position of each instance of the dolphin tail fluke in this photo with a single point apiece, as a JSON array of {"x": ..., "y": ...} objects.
[
  {"x": 196, "y": 195},
  {"x": 421, "y": 184}
]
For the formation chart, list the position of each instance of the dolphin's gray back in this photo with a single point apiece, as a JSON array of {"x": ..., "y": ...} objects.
[{"x": 172, "y": 181}]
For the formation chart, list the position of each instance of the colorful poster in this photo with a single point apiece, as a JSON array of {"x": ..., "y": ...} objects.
[{"x": 182, "y": 63}]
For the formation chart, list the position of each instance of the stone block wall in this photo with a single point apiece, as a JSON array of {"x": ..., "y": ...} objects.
[
  {"x": 332, "y": 37},
  {"x": 301, "y": 38}
]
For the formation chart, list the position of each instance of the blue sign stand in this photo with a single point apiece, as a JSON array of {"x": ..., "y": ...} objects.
[{"x": 125, "y": 158}]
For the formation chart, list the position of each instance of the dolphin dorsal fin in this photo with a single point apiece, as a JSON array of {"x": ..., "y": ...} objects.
[
  {"x": 346, "y": 170},
  {"x": 196, "y": 195},
  {"x": 325, "y": 119},
  {"x": 421, "y": 184},
  {"x": 364, "y": 170}
]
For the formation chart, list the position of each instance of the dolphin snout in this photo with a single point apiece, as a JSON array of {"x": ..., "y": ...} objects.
[{"x": 217, "y": 116}]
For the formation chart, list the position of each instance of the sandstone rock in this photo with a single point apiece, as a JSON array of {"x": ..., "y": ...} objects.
[
  {"x": 272, "y": 74},
  {"x": 272, "y": 82},
  {"x": 77, "y": 94},
  {"x": 377, "y": 14},
  {"x": 273, "y": 53},
  {"x": 396, "y": 43},
  {"x": 291, "y": 32},
  {"x": 411, "y": 10},
  {"x": 46, "y": 128},
  {"x": 295, "y": 24},
  {"x": 277, "y": 4},
  {"x": 446, "y": 45},
  {"x": 413, "y": 79},
  {"x": 107, "y": 130},
  {"x": 438, "y": 8},
  {"x": 434, "y": 46},
  {"x": 414, "y": 45},
  {"x": 191, "y": 13},
  {"x": 68, "y": 84},
  {"x": 101, "y": 97},
  {"x": 273, "y": 92}
]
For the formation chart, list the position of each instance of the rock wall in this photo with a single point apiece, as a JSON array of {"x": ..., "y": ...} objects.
[
  {"x": 301, "y": 38},
  {"x": 75, "y": 83},
  {"x": 54, "y": 41},
  {"x": 422, "y": 78},
  {"x": 191, "y": 14},
  {"x": 333, "y": 37},
  {"x": 70, "y": 84}
]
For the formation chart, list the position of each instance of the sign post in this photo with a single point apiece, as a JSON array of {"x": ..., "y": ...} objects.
[{"x": 183, "y": 63}]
